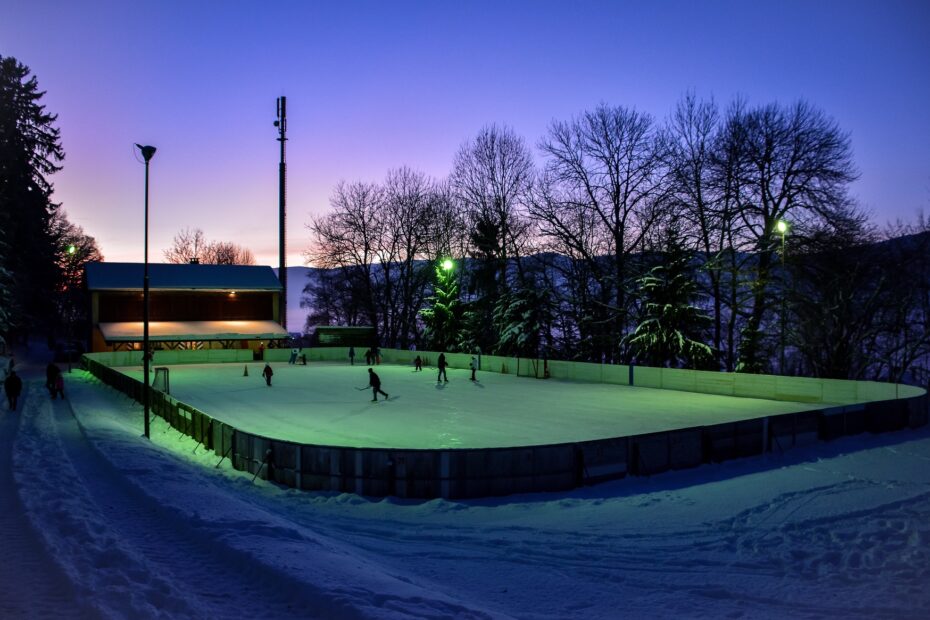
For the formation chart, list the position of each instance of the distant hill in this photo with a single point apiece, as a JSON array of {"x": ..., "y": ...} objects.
[{"x": 297, "y": 278}]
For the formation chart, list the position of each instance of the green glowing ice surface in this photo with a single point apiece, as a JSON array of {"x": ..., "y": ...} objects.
[{"x": 322, "y": 404}]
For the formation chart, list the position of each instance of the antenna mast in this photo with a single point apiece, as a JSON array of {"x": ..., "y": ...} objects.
[{"x": 281, "y": 124}]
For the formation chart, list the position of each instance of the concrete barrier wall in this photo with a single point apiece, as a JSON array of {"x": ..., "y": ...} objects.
[{"x": 471, "y": 473}]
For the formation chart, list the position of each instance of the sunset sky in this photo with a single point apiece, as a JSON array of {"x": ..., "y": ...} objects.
[{"x": 377, "y": 85}]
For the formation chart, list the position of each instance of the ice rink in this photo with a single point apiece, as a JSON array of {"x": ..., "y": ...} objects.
[{"x": 321, "y": 403}]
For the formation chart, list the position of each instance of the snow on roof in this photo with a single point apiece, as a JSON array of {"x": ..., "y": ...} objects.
[
  {"x": 164, "y": 276},
  {"x": 167, "y": 331}
]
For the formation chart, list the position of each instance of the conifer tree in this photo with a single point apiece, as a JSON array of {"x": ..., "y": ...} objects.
[
  {"x": 443, "y": 316},
  {"x": 671, "y": 330},
  {"x": 30, "y": 151}
]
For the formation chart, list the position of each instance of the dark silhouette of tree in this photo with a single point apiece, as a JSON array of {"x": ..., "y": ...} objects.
[
  {"x": 796, "y": 165},
  {"x": 75, "y": 249},
  {"x": 30, "y": 152},
  {"x": 600, "y": 195},
  {"x": 491, "y": 179},
  {"x": 191, "y": 246}
]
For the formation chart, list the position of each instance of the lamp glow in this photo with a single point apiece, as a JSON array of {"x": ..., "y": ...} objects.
[
  {"x": 781, "y": 226},
  {"x": 447, "y": 264}
]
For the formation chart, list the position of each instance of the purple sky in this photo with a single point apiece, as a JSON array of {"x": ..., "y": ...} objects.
[{"x": 373, "y": 86}]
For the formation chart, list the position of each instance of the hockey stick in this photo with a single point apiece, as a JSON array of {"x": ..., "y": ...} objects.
[{"x": 367, "y": 387}]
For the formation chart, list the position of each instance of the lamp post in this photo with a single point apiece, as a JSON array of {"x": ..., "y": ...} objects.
[
  {"x": 782, "y": 227},
  {"x": 147, "y": 153},
  {"x": 69, "y": 309}
]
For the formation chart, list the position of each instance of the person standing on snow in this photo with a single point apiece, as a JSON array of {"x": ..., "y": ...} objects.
[
  {"x": 442, "y": 368},
  {"x": 52, "y": 371},
  {"x": 417, "y": 364},
  {"x": 375, "y": 382},
  {"x": 13, "y": 386},
  {"x": 59, "y": 387},
  {"x": 267, "y": 374}
]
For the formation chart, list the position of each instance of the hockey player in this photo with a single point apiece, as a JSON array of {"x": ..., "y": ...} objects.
[
  {"x": 442, "y": 368},
  {"x": 375, "y": 382}
]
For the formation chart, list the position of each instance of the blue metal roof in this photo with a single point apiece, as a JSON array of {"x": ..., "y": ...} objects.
[{"x": 165, "y": 276}]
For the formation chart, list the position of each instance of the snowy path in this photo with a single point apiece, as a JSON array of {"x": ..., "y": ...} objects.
[
  {"x": 151, "y": 529},
  {"x": 48, "y": 591},
  {"x": 177, "y": 563}
]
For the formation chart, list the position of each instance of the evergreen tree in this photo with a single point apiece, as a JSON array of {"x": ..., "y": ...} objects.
[
  {"x": 521, "y": 318},
  {"x": 443, "y": 317},
  {"x": 30, "y": 151},
  {"x": 671, "y": 330}
]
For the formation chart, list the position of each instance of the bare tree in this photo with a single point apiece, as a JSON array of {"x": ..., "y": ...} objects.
[
  {"x": 408, "y": 198},
  {"x": 228, "y": 253},
  {"x": 349, "y": 238},
  {"x": 188, "y": 246},
  {"x": 795, "y": 165},
  {"x": 607, "y": 163},
  {"x": 192, "y": 246},
  {"x": 491, "y": 177}
]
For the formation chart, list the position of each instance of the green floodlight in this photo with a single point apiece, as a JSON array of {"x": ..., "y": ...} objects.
[
  {"x": 71, "y": 249},
  {"x": 448, "y": 265},
  {"x": 781, "y": 226}
]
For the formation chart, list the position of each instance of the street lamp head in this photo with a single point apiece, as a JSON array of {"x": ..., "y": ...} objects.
[
  {"x": 71, "y": 249},
  {"x": 448, "y": 265},
  {"x": 781, "y": 226},
  {"x": 147, "y": 152}
]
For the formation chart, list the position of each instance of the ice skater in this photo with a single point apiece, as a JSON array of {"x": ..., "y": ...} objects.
[
  {"x": 417, "y": 364},
  {"x": 442, "y": 369},
  {"x": 13, "y": 386},
  {"x": 473, "y": 364},
  {"x": 375, "y": 382},
  {"x": 368, "y": 357},
  {"x": 294, "y": 353},
  {"x": 351, "y": 356},
  {"x": 267, "y": 374}
]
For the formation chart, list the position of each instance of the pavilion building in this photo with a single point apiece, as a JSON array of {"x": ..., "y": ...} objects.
[{"x": 191, "y": 306}]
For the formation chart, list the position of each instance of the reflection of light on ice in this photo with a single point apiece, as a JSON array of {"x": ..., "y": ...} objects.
[
  {"x": 322, "y": 403},
  {"x": 447, "y": 440}
]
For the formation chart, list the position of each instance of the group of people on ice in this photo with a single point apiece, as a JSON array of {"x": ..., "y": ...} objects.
[{"x": 373, "y": 355}]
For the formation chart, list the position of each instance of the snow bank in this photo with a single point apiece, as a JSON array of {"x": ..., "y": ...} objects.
[{"x": 837, "y": 530}]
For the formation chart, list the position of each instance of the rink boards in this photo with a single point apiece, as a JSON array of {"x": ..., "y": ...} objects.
[{"x": 475, "y": 471}]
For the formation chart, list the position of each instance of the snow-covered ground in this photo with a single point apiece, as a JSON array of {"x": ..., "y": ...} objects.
[
  {"x": 326, "y": 403},
  {"x": 99, "y": 522}
]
